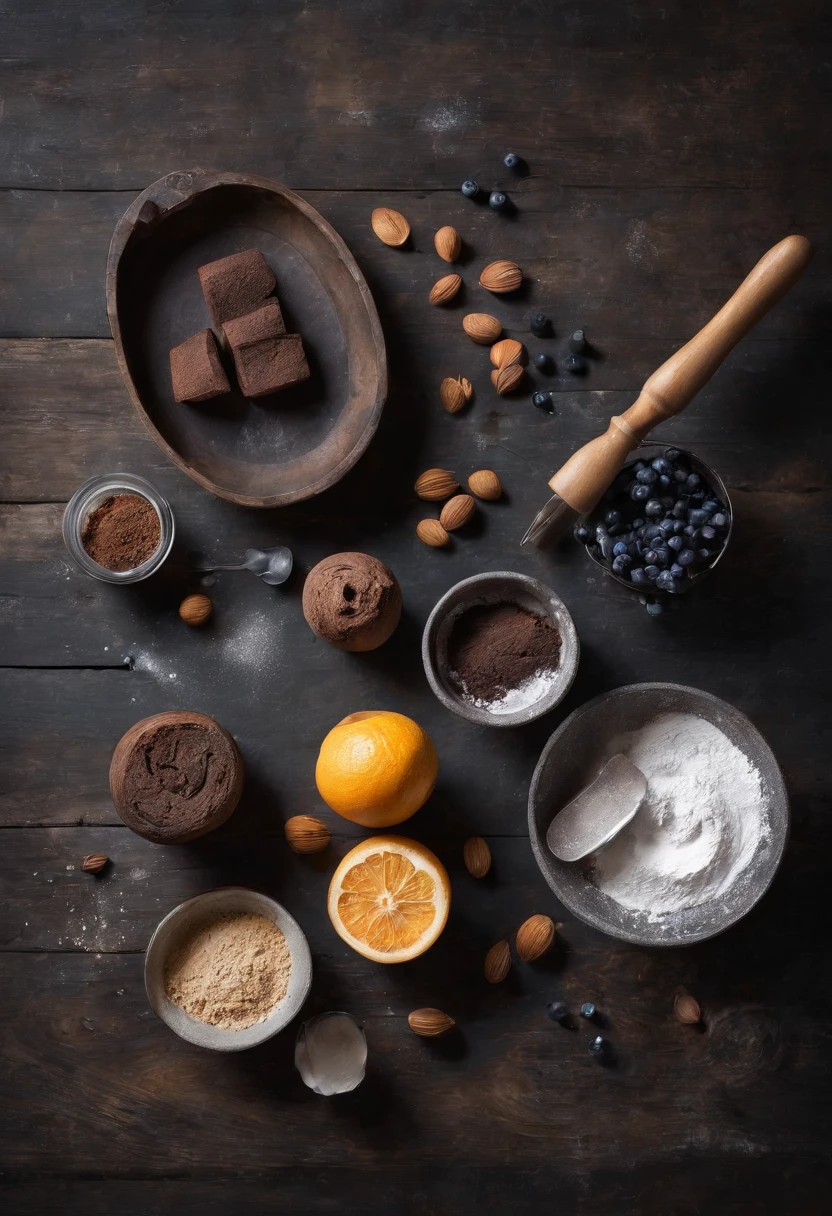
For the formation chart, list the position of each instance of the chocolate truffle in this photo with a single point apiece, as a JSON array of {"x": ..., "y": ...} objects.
[
  {"x": 175, "y": 776},
  {"x": 266, "y": 358},
  {"x": 195, "y": 369},
  {"x": 235, "y": 285},
  {"x": 352, "y": 601}
]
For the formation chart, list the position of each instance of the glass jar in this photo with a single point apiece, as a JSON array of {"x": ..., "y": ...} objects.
[{"x": 93, "y": 492}]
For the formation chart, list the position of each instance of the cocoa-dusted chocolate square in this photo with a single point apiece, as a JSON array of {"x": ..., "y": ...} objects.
[
  {"x": 271, "y": 364},
  {"x": 235, "y": 285},
  {"x": 196, "y": 370},
  {"x": 266, "y": 322}
]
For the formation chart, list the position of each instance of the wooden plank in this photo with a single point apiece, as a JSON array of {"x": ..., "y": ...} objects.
[
  {"x": 123, "y": 1096},
  {"x": 324, "y": 94},
  {"x": 644, "y": 263}
]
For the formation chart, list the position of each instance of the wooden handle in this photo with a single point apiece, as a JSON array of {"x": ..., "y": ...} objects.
[{"x": 588, "y": 473}]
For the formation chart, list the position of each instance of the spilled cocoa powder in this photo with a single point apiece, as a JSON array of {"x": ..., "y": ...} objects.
[
  {"x": 122, "y": 532},
  {"x": 494, "y": 648}
]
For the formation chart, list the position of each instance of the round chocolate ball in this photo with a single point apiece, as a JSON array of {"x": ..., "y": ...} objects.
[
  {"x": 175, "y": 776},
  {"x": 352, "y": 601}
]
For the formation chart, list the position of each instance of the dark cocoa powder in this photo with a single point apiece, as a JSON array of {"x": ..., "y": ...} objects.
[
  {"x": 122, "y": 532},
  {"x": 494, "y": 648}
]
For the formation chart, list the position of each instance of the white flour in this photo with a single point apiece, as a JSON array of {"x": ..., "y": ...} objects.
[
  {"x": 702, "y": 820},
  {"x": 524, "y": 695}
]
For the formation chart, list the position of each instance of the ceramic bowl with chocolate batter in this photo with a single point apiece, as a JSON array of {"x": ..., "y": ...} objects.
[{"x": 500, "y": 649}]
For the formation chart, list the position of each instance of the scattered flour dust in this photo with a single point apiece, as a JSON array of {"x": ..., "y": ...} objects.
[{"x": 703, "y": 818}]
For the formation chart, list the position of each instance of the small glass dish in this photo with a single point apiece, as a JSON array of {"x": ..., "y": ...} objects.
[{"x": 93, "y": 492}]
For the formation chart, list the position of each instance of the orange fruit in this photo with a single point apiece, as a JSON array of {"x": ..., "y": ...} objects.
[
  {"x": 389, "y": 899},
  {"x": 376, "y": 768}
]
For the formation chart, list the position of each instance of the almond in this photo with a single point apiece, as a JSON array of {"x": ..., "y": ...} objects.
[
  {"x": 431, "y": 532},
  {"x": 457, "y": 511},
  {"x": 687, "y": 1009},
  {"x": 390, "y": 226},
  {"x": 430, "y": 1023},
  {"x": 195, "y": 609},
  {"x": 477, "y": 856},
  {"x": 506, "y": 379},
  {"x": 94, "y": 863},
  {"x": 448, "y": 243},
  {"x": 435, "y": 485},
  {"x": 485, "y": 484},
  {"x": 534, "y": 937},
  {"x": 482, "y": 328},
  {"x": 444, "y": 289},
  {"x": 452, "y": 394},
  {"x": 501, "y": 276},
  {"x": 506, "y": 352},
  {"x": 497, "y": 963},
  {"x": 306, "y": 834},
  {"x": 467, "y": 388}
]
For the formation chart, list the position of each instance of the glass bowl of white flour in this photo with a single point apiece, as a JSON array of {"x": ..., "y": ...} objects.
[{"x": 706, "y": 842}]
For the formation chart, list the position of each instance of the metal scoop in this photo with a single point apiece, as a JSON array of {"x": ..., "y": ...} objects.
[
  {"x": 272, "y": 565},
  {"x": 599, "y": 812}
]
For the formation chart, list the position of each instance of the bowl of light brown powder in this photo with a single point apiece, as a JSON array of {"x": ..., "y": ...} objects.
[{"x": 228, "y": 969}]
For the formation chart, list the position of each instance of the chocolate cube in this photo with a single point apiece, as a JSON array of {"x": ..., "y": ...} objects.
[
  {"x": 266, "y": 358},
  {"x": 235, "y": 285},
  {"x": 195, "y": 369}
]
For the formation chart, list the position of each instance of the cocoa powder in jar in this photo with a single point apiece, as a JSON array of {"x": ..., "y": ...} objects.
[{"x": 122, "y": 532}]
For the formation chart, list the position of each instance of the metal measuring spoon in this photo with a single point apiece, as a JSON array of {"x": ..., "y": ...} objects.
[
  {"x": 598, "y": 812},
  {"x": 273, "y": 566}
]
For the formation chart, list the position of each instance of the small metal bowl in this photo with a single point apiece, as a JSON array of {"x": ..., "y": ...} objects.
[
  {"x": 170, "y": 931},
  {"x": 567, "y": 761},
  {"x": 496, "y": 589},
  {"x": 647, "y": 451}
]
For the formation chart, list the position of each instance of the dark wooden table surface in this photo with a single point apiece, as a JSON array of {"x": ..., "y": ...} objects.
[{"x": 669, "y": 146}]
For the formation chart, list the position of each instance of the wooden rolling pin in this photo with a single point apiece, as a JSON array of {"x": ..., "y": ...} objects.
[{"x": 580, "y": 483}]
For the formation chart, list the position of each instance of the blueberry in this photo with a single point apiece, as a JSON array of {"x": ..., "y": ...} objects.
[
  {"x": 577, "y": 342},
  {"x": 653, "y": 508},
  {"x": 666, "y": 528},
  {"x": 558, "y": 1012},
  {"x": 697, "y": 517},
  {"x": 678, "y": 527},
  {"x": 692, "y": 481},
  {"x": 619, "y": 548},
  {"x": 666, "y": 581},
  {"x": 707, "y": 533},
  {"x": 686, "y": 557},
  {"x": 677, "y": 571},
  {"x": 574, "y": 364},
  {"x": 710, "y": 505},
  {"x": 675, "y": 542},
  {"x": 588, "y": 1010},
  {"x": 704, "y": 554},
  {"x": 680, "y": 475},
  {"x": 672, "y": 454},
  {"x": 639, "y": 465},
  {"x": 651, "y": 531},
  {"x": 543, "y": 401},
  {"x": 661, "y": 464},
  {"x": 540, "y": 325},
  {"x": 622, "y": 563},
  {"x": 498, "y": 201},
  {"x": 612, "y": 517},
  {"x": 655, "y": 608},
  {"x": 544, "y": 363},
  {"x": 720, "y": 520},
  {"x": 650, "y": 556},
  {"x": 470, "y": 189},
  {"x": 638, "y": 523},
  {"x": 582, "y": 533},
  {"x": 638, "y": 576},
  {"x": 639, "y": 492},
  {"x": 652, "y": 572},
  {"x": 647, "y": 476},
  {"x": 689, "y": 530},
  {"x": 662, "y": 555},
  {"x": 664, "y": 481},
  {"x": 512, "y": 161},
  {"x": 598, "y": 1045}
]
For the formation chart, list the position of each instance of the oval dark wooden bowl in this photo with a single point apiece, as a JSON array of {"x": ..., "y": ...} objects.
[{"x": 278, "y": 449}]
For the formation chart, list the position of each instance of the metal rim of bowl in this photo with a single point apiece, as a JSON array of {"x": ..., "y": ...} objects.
[
  {"x": 548, "y": 600},
  {"x": 542, "y": 856},
  {"x": 201, "y": 1033},
  {"x": 698, "y": 465}
]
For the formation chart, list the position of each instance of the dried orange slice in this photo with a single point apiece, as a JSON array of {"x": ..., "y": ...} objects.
[{"x": 389, "y": 899}]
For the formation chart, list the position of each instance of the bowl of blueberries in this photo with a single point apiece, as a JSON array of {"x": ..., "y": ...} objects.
[{"x": 664, "y": 522}]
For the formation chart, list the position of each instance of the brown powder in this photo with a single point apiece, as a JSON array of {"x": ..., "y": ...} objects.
[
  {"x": 230, "y": 972},
  {"x": 494, "y": 648},
  {"x": 122, "y": 532}
]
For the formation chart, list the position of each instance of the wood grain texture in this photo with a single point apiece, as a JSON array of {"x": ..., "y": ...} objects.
[
  {"x": 415, "y": 95},
  {"x": 668, "y": 148}
]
